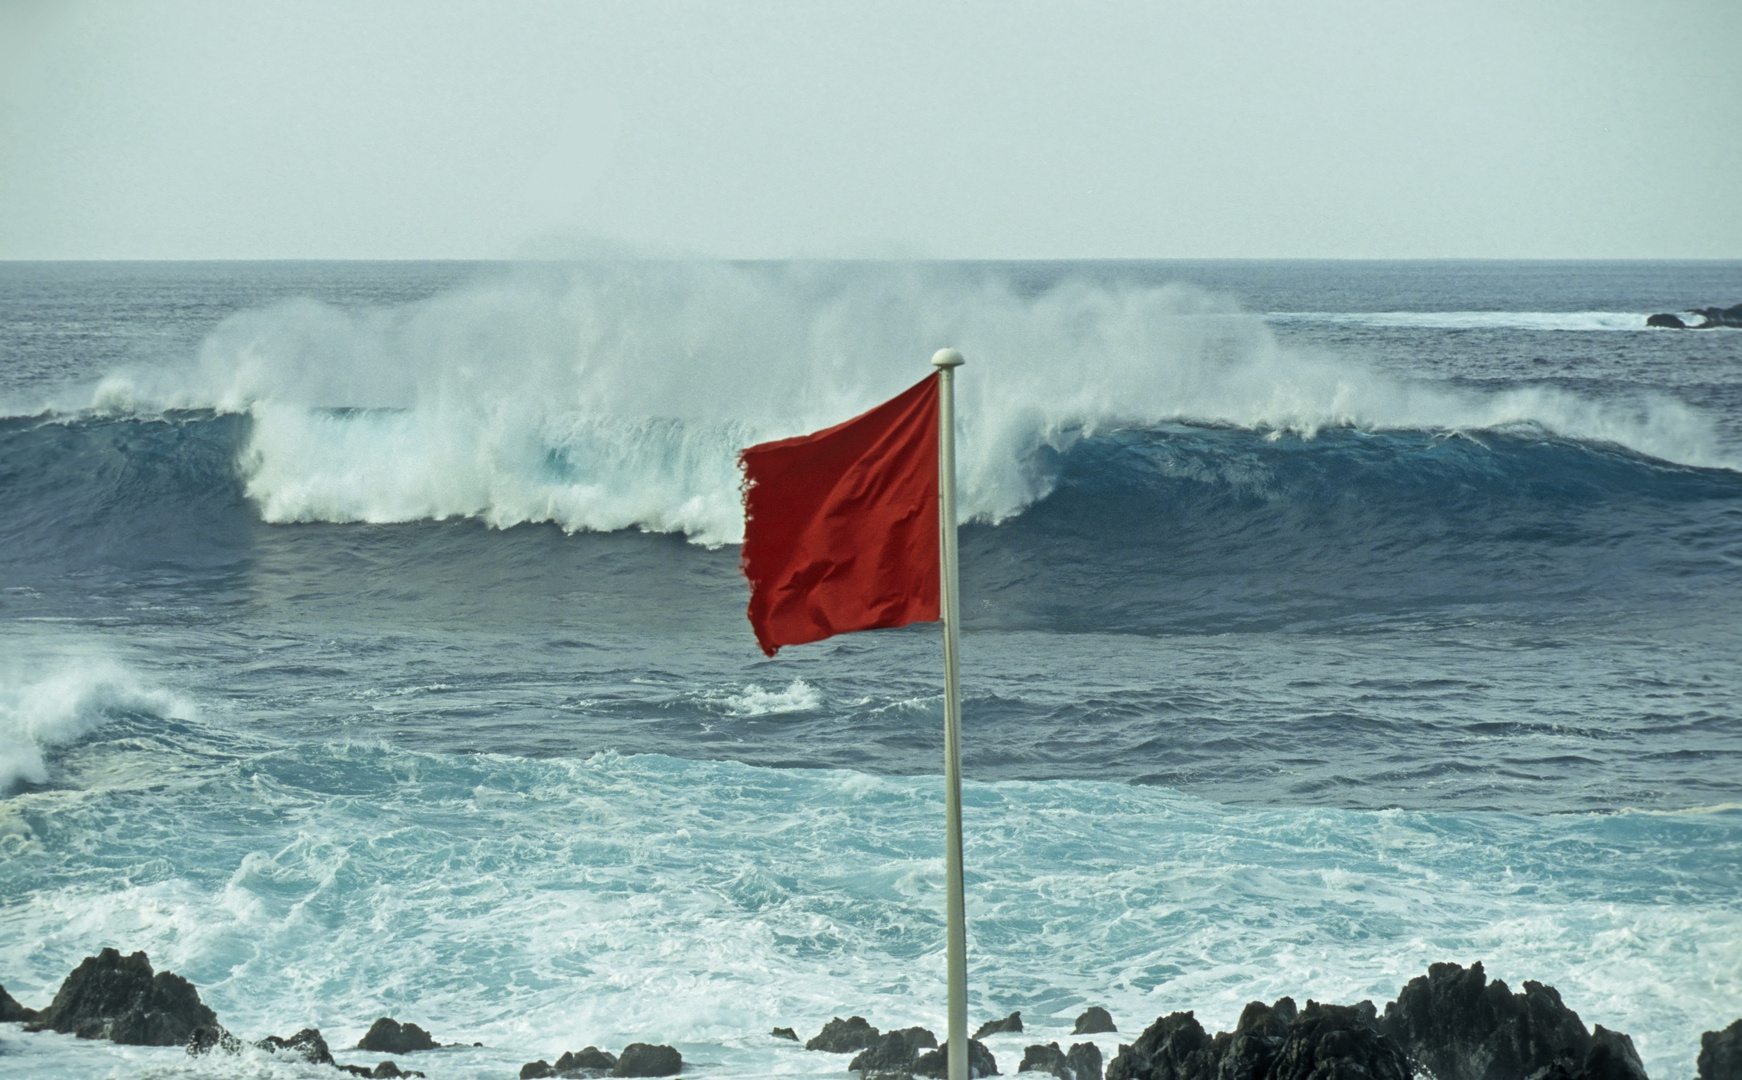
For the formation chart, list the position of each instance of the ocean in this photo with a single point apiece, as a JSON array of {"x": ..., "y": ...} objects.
[{"x": 372, "y": 642}]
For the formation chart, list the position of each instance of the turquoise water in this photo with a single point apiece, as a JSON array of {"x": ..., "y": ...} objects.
[{"x": 529, "y": 904}]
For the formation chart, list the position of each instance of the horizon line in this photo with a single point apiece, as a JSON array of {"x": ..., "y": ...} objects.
[{"x": 1468, "y": 259}]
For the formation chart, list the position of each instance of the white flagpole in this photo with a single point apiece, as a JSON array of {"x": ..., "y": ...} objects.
[{"x": 946, "y": 361}]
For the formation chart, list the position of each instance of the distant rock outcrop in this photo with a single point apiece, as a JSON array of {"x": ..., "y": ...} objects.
[
  {"x": 844, "y": 1036},
  {"x": 1011, "y": 1023},
  {"x": 1094, "y": 1021},
  {"x": 389, "y": 1036},
  {"x": 785, "y": 1033},
  {"x": 1721, "y": 1053},
  {"x": 1710, "y": 319},
  {"x": 120, "y": 998},
  {"x": 1730, "y": 316},
  {"x": 1458, "y": 1026}
]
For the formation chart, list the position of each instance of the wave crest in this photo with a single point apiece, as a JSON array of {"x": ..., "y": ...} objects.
[
  {"x": 608, "y": 397},
  {"x": 65, "y": 706}
]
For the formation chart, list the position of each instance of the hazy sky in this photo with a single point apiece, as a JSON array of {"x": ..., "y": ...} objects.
[{"x": 936, "y": 129}]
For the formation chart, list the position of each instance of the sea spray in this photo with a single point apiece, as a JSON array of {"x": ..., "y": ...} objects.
[{"x": 602, "y": 397}]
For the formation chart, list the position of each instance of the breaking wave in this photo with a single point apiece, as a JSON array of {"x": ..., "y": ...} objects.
[
  {"x": 611, "y": 397},
  {"x": 38, "y": 713}
]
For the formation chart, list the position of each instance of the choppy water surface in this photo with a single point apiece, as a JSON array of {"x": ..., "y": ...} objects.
[{"x": 371, "y": 641}]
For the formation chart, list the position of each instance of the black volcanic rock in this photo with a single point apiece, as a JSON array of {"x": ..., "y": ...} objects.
[
  {"x": 1047, "y": 1059},
  {"x": 1084, "y": 1061},
  {"x": 204, "y": 1040},
  {"x": 1173, "y": 1048},
  {"x": 388, "y": 1069},
  {"x": 389, "y": 1036},
  {"x": 1458, "y": 1026},
  {"x": 1612, "y": 1057},
  {"x": 1094, "y": 1021},
  {"x": 1721, "y": 1054},
  {"x": 1730, "y": 316},
  {"x": 110, "y": 996},
  {"x": 1271, "y": 1042},
  {"x": 785, "y": 1033},
  {"x": 11, "y": 1012},
  {"x": 844, "y": 1036},
  {"x": 1011, "y": 1023},
  {"x": 641, "y": 1059},
  {"x": 893, "y": 1054},
  {"x": 306, "y": 1044},
  {"x": 1710, "y": 319},
  {"x": 1246, "y": 1053},
  {"x": 936, "y": 1063},
  {"x": 590, "y": 1059},
  {"x": 1338, "y": 1042}
]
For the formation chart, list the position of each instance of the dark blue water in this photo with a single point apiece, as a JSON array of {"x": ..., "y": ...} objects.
[{"x": 384, "y": 621}]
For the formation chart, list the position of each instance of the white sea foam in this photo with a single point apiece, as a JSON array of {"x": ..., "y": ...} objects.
[
  {"x": 73, "y": 698},
  {"x": 753, "y": 700},
  {"x": 608, "y": 397},
  {"x": 541, "y": 905}
]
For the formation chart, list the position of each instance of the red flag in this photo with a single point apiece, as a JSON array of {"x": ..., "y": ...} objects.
[{"x": 841, "y": 527}]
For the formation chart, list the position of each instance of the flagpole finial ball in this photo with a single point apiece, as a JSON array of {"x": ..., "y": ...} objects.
[{"x": 946, "y": 358}]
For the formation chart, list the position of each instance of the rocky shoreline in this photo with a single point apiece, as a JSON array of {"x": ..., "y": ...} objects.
[{"x": 1450, "y": 1024}]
